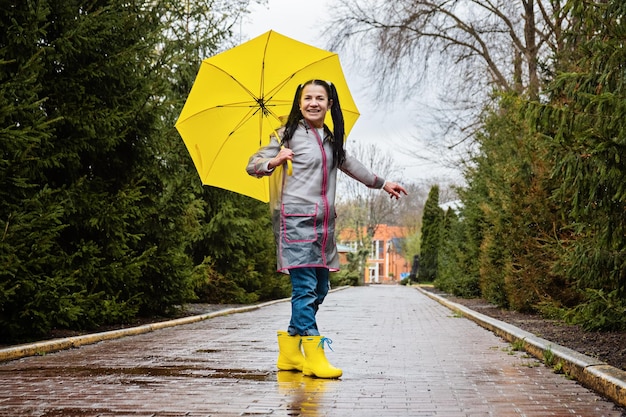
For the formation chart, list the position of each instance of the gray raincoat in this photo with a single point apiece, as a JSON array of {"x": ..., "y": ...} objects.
[{"x": 303, "y": 204}]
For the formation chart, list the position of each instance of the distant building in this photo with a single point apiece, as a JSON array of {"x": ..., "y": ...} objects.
[
  {"x": 387, "y": 261},
  {"x": 343, "y": 251}
]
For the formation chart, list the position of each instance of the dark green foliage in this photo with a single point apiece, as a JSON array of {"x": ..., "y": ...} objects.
[
  {"x": 431, "y": 236},
  {"x": 542, "y": 225},
  {"x": 507, "y": 206},
  {"x": 454, "y": 265},
  {"x": 446, "y": 259},
  {"x": 344, "y": 277},
  {"x": 239, "y": 247},
  {"x": 102, "y": 82},
  {"x": 91, "y": 179},
  {"x": 349, "y": 274},
  {"x": 101, "y": 210},
  {"x": 30, "y": 214},
  {"x": 600, "y": 310},
  {"x": 585, "y": 124}
]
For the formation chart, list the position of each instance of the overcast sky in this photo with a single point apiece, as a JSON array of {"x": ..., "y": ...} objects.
[{"x": 390, "y": 127}]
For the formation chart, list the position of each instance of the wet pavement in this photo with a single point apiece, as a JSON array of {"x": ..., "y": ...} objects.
[{"x": 402, "y": 354}]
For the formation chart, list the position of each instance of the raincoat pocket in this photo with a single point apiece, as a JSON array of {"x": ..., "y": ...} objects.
[{"x": 300, "y": 223}]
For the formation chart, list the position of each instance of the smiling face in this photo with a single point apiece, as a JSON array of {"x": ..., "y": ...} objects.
[{"x": 314, "y": 104}]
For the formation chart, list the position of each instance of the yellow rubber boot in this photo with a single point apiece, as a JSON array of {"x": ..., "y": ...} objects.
[
  {"x": 315, "y": 363},
  {"x": 290, "y": 356}
]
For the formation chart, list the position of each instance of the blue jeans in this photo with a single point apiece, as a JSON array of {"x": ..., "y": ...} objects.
[{"x": 309, "y": 287}]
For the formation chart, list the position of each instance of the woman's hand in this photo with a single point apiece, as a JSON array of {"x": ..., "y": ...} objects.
[
  {"x": 283, "y": 156},
  {"x": 395, "y": 190}
]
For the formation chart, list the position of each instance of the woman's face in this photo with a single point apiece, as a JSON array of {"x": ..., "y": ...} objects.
[{"x": 314, "y": 104}]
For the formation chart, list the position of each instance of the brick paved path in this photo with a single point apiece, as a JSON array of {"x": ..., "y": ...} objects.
[{"x": 402, "y": 354}]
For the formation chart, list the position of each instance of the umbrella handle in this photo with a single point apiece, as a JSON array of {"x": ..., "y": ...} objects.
[{"x": 289, "y": 165}]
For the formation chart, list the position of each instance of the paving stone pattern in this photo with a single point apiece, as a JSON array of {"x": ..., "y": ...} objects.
[{"x": 402, "y": 354}]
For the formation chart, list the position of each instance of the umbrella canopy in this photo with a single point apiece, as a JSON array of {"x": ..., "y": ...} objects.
[{"x": 237, "y": 101}]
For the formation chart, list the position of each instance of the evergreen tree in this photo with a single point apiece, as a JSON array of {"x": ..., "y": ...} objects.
[
  {"x": 453, "y": 264},
  {"x": 507, "y": 206},
  {"x": 431, "y": 231},
  {"x": 467, "y": 238},
  {"x": 232, "y": 245},
  {"x": 102, "y": 210},
  {"x": 104, "y": 81},
  {"x": 586, "y": 125},
  {"x": 237, "y": 251},
  {"x": 99, "y": 209},
  {"x": 445, "y": 254},
  {"x": 31, "y": 212}
]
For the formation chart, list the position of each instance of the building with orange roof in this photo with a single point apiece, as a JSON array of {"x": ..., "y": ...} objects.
[{"x": 387, "y": 262}]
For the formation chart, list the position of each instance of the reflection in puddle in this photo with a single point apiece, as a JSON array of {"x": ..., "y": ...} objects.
[{"x": 305, "y": 394}]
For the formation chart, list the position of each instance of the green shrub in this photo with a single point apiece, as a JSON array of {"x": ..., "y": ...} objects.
[
  {"x": 601, "y": 311},
  {"x": 344, "y": 277}
]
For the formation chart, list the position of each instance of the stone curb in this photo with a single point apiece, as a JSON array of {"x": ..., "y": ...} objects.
[
  {"x": 55, "y": 345},
  {"x": 49, "y": 346},
  {"x": 604, "y": 379}
]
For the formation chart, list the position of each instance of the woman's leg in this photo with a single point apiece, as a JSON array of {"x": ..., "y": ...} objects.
[
  {"x": 309, "y": 288},
  {"x": 323, "y": 285}
]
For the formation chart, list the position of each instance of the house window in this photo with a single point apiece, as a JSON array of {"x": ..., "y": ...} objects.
[{"x": 378, "y": 249}]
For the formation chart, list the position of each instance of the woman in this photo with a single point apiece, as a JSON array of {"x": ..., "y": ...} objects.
[{"x": 303, "y": 215}]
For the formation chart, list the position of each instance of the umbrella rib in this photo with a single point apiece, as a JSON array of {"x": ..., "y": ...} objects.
[
  {"x": 262, "y": 84},
  {"x": 270, "y": 94},
  {"x": 248, "y": 104},
  {"x": 243, "y": 87},
  {"x": 246, "y": 118}
]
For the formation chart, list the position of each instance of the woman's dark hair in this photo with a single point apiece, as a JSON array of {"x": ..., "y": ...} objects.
[{"x": 338, "y": 134}]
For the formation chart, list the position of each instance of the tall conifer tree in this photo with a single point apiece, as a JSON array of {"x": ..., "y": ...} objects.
[
  {"x": 586, "y": 123},
  {"x": 102, "y": 212},
  {"x": 31, "y": 211},
  {"x": 431, "y": 236},
  {"x": 83, "y": 167}
]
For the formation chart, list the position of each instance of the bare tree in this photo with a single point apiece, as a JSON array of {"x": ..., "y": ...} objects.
[
  {"x": 366, "y": 206},
  {"x": 476, "y": 47},
  {"x": 369, "y": 207},
  {"x": 363, "y": 209}
]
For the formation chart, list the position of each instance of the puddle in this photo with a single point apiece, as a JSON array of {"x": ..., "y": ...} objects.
[
  {"x": 75, "y": 412},
  {"x": 166, "y": 371}
]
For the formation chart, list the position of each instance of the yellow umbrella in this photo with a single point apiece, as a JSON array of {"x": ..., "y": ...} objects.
[{"x": 238, "y": 98}]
